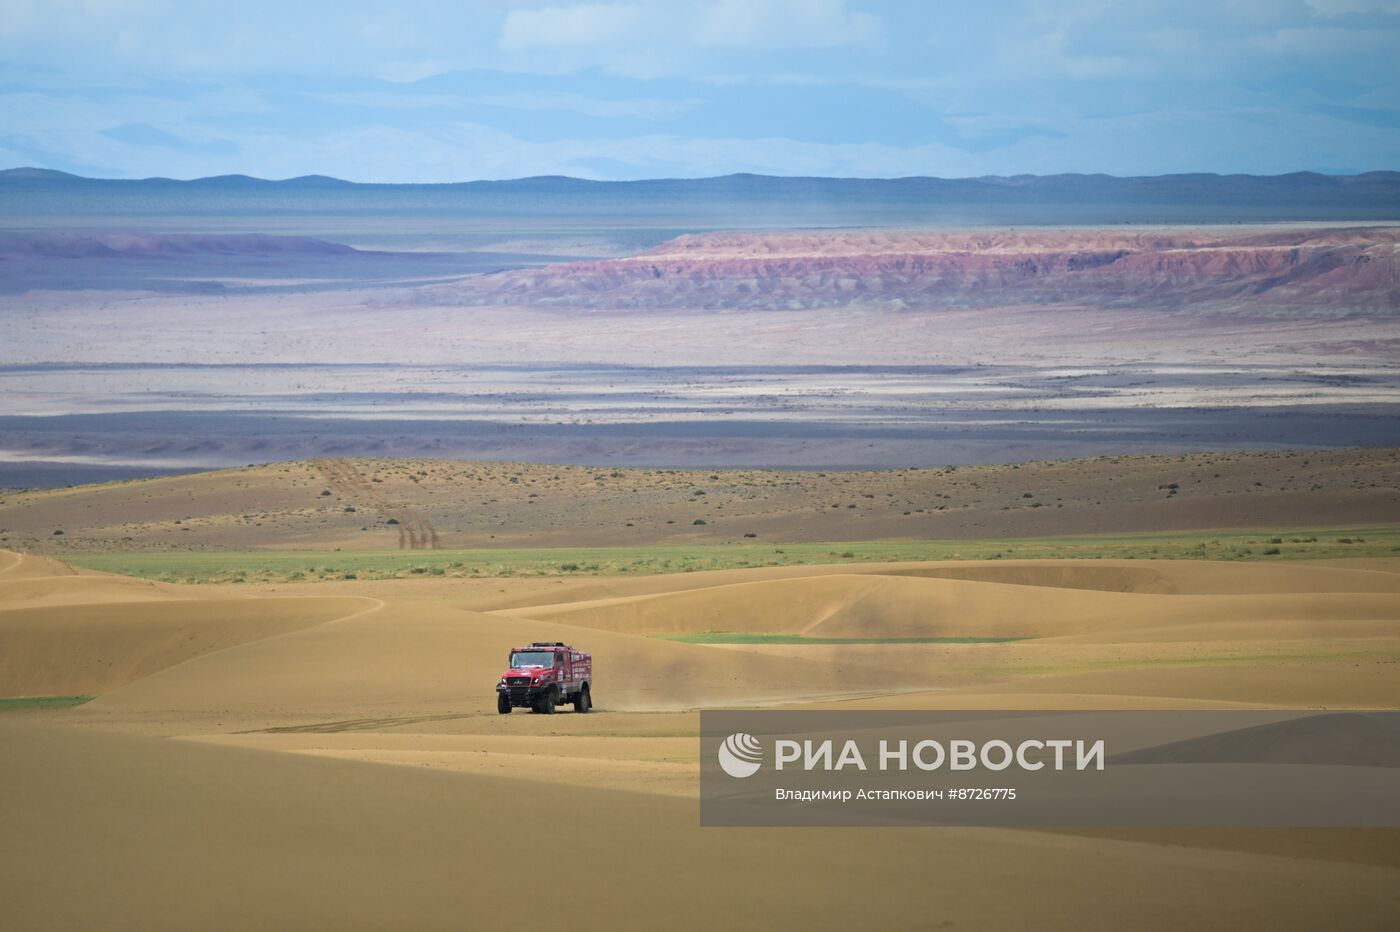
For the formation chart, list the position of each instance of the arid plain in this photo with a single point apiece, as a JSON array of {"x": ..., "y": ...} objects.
[{"x": 830, "y": 349}]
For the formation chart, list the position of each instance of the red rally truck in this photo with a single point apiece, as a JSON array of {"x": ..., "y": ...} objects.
[{"x": 544, "y": 675}]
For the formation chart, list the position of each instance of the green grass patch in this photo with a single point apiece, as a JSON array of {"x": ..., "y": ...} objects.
[
  {"x": 754, "y": 637},
  {"x": 314, "y": 565},
  {"x": 38, "y": 703}
]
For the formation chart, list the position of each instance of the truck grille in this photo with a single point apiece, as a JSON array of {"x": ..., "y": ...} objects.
[{"x": 517, "y": 681}]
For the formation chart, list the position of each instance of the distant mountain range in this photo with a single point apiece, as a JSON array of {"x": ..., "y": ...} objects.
[{"x": 734, "y": 200}]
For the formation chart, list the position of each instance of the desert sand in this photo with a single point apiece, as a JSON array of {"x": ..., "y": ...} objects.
[{"x": 329, "y": 755}]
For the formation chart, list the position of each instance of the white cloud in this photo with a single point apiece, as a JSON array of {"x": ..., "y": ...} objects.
[
  {"x": 641, "y": 108},
  {"x": 1049, "y": 53},
  {"x": 407, "y": 72},
  {"x": 782, "y": 23},
  {"x": 861, "y": 86},
  {"x": 393, "y": 28},
  {"x": 165, "y": 38},
  {"x": 456, "y": 150},
  {"x": 89, "y": 17},
  {"x": 1327, "y": 41},
  {"x": 678, "y": 26},
  {"x": 1347, "y": 7},
  {"x": 584, "y": 25}
]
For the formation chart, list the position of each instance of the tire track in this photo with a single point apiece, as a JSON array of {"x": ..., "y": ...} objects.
[
  {"x": 359, "y": 724},
  {"x": 416, "y": 532}
]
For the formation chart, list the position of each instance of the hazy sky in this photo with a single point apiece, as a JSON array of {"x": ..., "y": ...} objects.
[{"x": 448, "y": 91}]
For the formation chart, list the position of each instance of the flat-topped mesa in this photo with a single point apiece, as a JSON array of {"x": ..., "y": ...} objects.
[{"x": 1300, "y": 267}]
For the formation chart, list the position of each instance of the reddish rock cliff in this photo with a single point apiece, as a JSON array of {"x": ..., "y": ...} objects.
[{"x": 1334, "y": 268}]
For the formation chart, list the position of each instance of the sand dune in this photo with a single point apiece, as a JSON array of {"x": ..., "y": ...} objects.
[
  {"x": 15, "y": 565},
  {"x": 30, "y": 581},
  {"x": 65, "y": 633},
  {"x": 1175, "y": 576},
  {"x": 413, "y": 659},
  {"x": 344, "y": 765},
  {"x": 1301, "y": 682},
  {"x": 877, "y": 606},
  {"x": 641, "y": 764},
  {"x": 76, "y": 590},
  {"x": 92, "y": 649},
  {"x": 372, "y": 648},
  {"x": 1196, "y": 577},
  {"x": 175, "y": 835},
  {"x": 143, "y": 647},
  {"x": 1058, "y": 575}
]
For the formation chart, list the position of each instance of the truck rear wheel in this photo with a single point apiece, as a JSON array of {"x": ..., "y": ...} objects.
[
  {"x": 583, "y": 701},
  {"x": 502, "y": 703}
]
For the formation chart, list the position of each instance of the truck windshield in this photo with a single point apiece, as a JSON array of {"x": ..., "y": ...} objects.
[{"x": 531, "y": 658}]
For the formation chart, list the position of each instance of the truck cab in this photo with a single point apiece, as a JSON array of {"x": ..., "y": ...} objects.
[{"x": 543, "y": 675}]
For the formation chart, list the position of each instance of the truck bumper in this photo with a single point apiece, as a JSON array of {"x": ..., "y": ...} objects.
[{"x": 521, "y": 695}]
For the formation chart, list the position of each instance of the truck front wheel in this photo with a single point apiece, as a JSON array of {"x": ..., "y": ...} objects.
[
  {"x": 502, "y": 703},
  {"x": 545, "y": 706}
]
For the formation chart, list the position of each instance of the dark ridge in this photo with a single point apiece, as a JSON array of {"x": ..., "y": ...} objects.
[
  {"x": 1376, "y": 181},
  {"x": 738, "y": 201}
]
